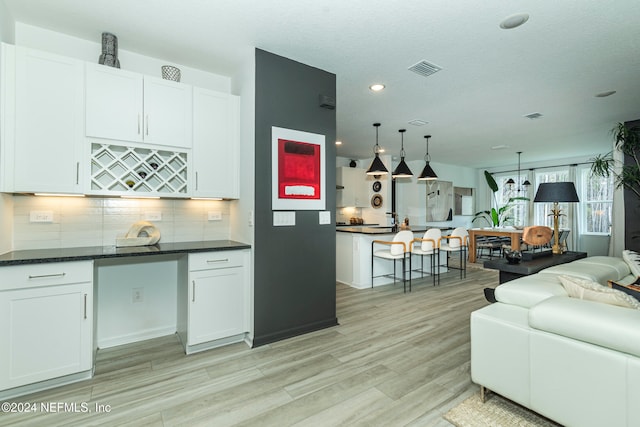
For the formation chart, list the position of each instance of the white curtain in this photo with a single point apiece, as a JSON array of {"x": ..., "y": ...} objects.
[
  {"x": 616, "y": 243},
  {"x": 574, "y": 224}
]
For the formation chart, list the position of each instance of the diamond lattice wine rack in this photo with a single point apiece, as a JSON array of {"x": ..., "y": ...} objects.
[{"x": 124, "y": 170}]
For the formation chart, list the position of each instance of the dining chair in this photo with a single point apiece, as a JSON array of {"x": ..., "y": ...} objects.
[
  {"x": 399, "y": 248},
  {"x": 428, "y": 245},
  {"x": 457, "y": 241},
  {"x": 490, "y": 243},
  {"x": 536, "y": 236}
]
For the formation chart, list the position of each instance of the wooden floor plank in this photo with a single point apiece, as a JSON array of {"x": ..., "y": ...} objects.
[{"x": 395, "y": 359}]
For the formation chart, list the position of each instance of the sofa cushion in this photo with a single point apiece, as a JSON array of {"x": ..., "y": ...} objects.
[
  {"x": 529, "y": 290},
  {"x": 593, "y": 291},
  {"x": 633, "y": 261},
  {"x": 600, "y": 324},
  {"x": 598, "y": 269}
]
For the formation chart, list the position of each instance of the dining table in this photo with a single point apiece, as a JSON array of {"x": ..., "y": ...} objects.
[{"x": 510, "y": 232}]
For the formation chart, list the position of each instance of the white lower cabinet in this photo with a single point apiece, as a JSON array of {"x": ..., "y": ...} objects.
[
  {"x": 216, "y": 300},
  {"x": 46, "y": 318}
]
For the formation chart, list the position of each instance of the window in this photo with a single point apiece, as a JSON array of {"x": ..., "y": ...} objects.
[
  {"x": 596, "y": 203},
  {"x": 519, "y": 213},
  {"x": 541, "y": 211}
]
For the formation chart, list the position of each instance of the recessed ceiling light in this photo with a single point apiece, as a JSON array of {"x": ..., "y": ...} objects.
[
  {"x": 514, "y": 21},
  {"x": 605, "y": 94},
  {"x": 338, "y": 142},
  {"x": 417, "y": 122},
  {"x": 376, "y": 87},
  {"x": 499, "y": 147}
]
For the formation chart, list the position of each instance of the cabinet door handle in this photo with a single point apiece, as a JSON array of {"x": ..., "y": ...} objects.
[
  {"x": 85, "y": 306},
  {"x": 196, "y": 180},
  {"x": 218, "y": 260},
  {"x": 193, "y": 291},
  {"x": 77, "y": 173},
  {"x": 138, "y": 123},
  {"x": 41, "y": 276},
  {"x": 146, "y": 124}
]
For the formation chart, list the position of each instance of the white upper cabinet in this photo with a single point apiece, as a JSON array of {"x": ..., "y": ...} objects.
[
  {"x": 216, "y": 144},
  {"x": 44, "y": 149},
  {"x": 167, "y": 112},
  {"x": 127, "y": 106}
]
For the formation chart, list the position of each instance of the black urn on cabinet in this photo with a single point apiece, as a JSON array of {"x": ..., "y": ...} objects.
[{"x": 513, "y": 257}]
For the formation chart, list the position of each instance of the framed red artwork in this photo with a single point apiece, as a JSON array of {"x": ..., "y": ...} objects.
[{"x": 298, "y": 169}]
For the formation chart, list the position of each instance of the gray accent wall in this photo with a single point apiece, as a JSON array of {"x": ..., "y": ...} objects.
[{"x": 294, "y": 271}]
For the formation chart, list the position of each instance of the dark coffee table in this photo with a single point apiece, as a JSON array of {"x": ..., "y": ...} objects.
[{"x": 525, "y": 268}]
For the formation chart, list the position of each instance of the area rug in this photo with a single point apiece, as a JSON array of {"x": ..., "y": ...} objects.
[{"x": 496, "y": 411}]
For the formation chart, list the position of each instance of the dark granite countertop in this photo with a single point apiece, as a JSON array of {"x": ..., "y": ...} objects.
[
  {"x": 378, "y": 230},
  {"x": 35, "y": 256}
]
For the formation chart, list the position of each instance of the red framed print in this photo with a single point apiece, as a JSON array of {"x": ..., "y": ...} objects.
[{"x": 298, "y": 169}]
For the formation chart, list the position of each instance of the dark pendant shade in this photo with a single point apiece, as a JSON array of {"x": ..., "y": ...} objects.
[
  {"x": 427, "y": 173},
  {"x": 526, "y": 182},
  {"x": 377, "y": 167},
  {"x": 402, "y": 171},
  {"x": 510, "y": 181},
  {"x": 556, "y": 192}
]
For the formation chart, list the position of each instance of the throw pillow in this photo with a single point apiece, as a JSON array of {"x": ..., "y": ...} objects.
[
  {"x": 594, "y": 291},
  {"x": 633, "y": 261}
]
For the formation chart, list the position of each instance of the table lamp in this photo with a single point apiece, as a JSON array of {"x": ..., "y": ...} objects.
[{"x": 556, "y": 192}]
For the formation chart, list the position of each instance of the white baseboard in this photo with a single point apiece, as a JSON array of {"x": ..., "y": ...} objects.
[{"x": 137, "y": 336}]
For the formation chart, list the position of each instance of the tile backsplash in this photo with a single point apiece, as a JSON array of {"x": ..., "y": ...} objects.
[{"x": 90, "y": 221}]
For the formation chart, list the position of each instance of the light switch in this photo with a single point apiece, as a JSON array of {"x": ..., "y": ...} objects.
[
  {"x": 324, "y": 217},
  {"x": 283, "y": 219},
  {"x": 40, "y": 216}
]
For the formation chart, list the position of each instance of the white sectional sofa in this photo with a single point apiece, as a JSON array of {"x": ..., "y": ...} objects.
[{"x": 574, "y": 361}]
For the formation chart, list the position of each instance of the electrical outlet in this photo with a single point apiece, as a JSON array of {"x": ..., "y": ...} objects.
[
  {"x": 153, "y": 216},
  {"x": 215, "y": 216},
  {"x": 40, "y": 216},
  {"x": 137, "y": 295}
]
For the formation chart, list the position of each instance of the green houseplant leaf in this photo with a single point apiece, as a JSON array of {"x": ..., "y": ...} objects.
[{"x": 499, "y": 216}]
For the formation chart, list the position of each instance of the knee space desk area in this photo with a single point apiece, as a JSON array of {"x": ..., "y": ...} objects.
[{"x": 59, "y": 306}]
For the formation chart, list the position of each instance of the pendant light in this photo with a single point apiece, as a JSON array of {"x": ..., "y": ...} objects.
[
  {"x": 526, "y": 183},
  {"x": 377, "y": 167},
  {"x": 402, "y": 171},
  {"x": 427, "y": 172}
]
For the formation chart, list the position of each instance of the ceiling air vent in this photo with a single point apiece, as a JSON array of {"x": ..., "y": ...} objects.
[
  {"x": 424, "y": 68},
  {"x": 533, "y": 116},
  {"x": 417, "y": 122}
]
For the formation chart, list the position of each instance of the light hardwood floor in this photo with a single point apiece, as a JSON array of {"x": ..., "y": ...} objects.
[{"x": 395, "y": 359}]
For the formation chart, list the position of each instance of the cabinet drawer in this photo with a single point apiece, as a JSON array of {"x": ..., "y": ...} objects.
[
  {"x": 213, "y": 260},
  {"x": 46, "y": 274}
]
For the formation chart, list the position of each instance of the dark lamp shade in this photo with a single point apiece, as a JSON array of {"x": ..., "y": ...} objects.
[
  {"x": 526, "y": 182},
  {"x": 511, "y": 181},
  {"x": 402, "y": 171},
  {"x": 377, "y": 167},
  {"x": 427, "y": 173},
  {"x": 556, "y": 192}
]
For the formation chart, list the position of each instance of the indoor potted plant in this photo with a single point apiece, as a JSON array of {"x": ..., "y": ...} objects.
[
  {"x": 497, "y": 216},
  {"x": 627, "y": 140}
]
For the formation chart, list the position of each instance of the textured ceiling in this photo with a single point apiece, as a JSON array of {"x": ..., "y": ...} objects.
[{"x": 554, "y": 64}]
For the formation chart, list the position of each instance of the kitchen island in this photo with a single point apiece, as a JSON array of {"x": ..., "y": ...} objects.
[{"x": 353, "y": 256}]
